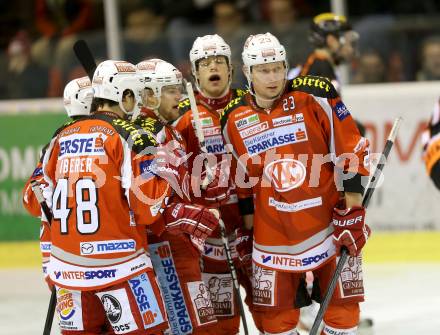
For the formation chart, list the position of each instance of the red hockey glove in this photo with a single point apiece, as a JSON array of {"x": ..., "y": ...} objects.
[
  {"x": 195, "y": 220},
  {"x": 350, "y": 229},
  {"x": 170, "y": 164},
  {"x": 217, "y": 191},
  {"x": 244, "y": 248}
]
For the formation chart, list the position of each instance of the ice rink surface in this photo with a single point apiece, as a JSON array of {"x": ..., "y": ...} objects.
[{"x": 402, "y": 299}]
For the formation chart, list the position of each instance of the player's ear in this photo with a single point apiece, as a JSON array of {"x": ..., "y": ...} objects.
[{"x": 245, "y": 70}]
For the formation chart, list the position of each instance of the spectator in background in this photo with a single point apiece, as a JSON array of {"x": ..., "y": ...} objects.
[
  {"x": 282, "y": 17},
  {"x": 371, "y": 68},
  {"x": 23, "y": 78},
  {"x": 229, "y": 23},
  {"x": 59, "y": 22},
  {"x": 144, "y": 35},
  {"x": 430, "y": 59}
]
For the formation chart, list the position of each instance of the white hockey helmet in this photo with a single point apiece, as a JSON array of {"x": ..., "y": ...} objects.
[
  {"x": 78, "y": 95},
  {"x": 262, "y": 49},
  {"x": 206, "y": 46},
  {"x": 156, "y": 73},
  {"x": 112, "y": 78}
]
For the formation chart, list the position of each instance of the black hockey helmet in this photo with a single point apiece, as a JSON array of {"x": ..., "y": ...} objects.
[{"x": 327, "y": 24}]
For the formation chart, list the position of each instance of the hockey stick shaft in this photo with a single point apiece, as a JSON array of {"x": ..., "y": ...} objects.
[
  {"x": 85, "y": 57},
  {"x": 233, "y": 274},
  {"x": 53, "y": 296},
  {"x": 199, "y": 132},
  {"x": 344, "y": 252}
]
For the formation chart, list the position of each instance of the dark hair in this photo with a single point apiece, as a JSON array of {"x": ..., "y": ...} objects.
[{"x": 100, "y": 102}]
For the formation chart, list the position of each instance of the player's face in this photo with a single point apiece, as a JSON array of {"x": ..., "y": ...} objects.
[
  {"x": 268, "y": 79},
  {"x": 213, "y": 75},
  {"x": 169, "y": 102}
]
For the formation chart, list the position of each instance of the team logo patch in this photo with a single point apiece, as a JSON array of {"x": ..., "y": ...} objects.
[
  {"x": 221, "y": 293},
  {"x": 146, "y": 301},
  {"x": 341, "y": 111},
  {"x": 172, "y": 293},
  {"x": 285, "y": 174},
  {"x": 263, "y": 282}
]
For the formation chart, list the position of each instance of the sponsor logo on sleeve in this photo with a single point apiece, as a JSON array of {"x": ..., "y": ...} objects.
[
  {"x": 341, "y": 111},
  {"x": 247, "y": 121},
  {"x": 75, "y": 145},
  {"x": 277, "y": 137}
]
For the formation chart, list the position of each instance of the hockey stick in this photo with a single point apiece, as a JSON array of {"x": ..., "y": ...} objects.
[
  {"x": 365, "y": 201},
  {"x": 85, "y": 57},
  {"x": 205, "y": 183},
  {"x": 199, "y": 133},
  {"x": 53, "y": 296},
  {"x": 233, "y": 273}
]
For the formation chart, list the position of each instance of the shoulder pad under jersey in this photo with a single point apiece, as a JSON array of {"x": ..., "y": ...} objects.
[
  {"x": 230, "y": 107},
  {"x": 137, "y": 138},
  {"x": 184, "y": 106},
  {"x": 317, "y": 86}
]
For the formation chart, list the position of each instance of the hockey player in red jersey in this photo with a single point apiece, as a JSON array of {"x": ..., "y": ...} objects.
[
  {"x": 106, "y": 182},
  {"x": 178, "y": 254},
  {"x": 210, "y": 58},
  {"x": 77, "y": 99},
  {"x": 302, "y": 151}
]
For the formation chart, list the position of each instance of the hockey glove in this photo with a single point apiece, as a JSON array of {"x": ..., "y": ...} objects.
[
  {"x": 170, "y": 164},
  {"x": 244, "y": 248},
  {"x": 218, "y": 189},
  {"x": 195, "y": 220},
  {"x": 350, "y": 229}
]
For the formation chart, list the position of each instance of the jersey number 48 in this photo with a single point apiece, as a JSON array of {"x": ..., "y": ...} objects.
[{"x": 87, "y": 214}]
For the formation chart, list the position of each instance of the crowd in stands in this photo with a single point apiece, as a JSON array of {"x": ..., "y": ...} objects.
[{"x": 397, "y": 43}]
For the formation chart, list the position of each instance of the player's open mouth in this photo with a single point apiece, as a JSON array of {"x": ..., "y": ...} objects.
[{"x": 214, "y": 78}]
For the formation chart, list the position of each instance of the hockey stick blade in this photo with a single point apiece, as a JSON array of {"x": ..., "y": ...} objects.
[
  {"x": 85, "y": 57},
  {"x": 344, "y": 252}
]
